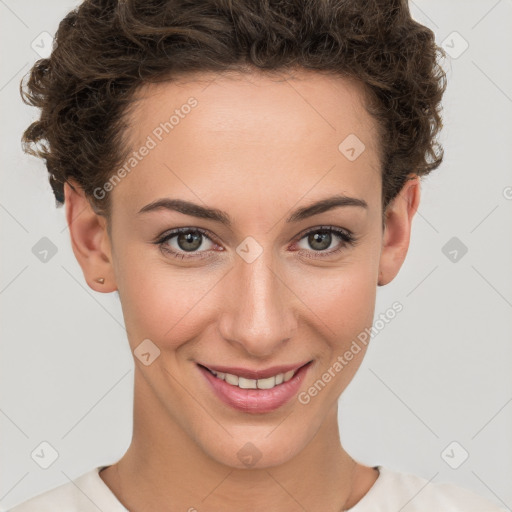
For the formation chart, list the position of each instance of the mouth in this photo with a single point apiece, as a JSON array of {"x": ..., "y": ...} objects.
[
  {"x": 255, "y": 391},
  {"x": 255, "y": 379}
]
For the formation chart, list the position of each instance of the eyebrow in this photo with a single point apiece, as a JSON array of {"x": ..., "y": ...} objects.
[{"x": 196, "y": 210}]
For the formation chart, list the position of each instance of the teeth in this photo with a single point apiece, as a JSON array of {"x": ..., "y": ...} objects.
[
  {"x": 266, "y": 383},
  {"x": 247, "y": 383},
  {"x": 244, "y": 383},
  {"x": 231, "y": 379},
  {"x": 288, "y": 375}
]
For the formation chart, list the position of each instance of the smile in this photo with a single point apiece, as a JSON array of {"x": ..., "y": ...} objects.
[
  {"x": 244, "y": 383},
  {"x": 255, "y": 391}
]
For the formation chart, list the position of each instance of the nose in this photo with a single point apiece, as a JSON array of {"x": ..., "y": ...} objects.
[{"x": 259, "y": 310}]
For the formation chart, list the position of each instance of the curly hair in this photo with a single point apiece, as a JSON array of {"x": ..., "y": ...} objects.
[{"x": 105, "y": 50}]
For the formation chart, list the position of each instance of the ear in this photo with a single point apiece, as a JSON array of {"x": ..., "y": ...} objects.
[
  {"x": 89, "y": 239},
  {"x": 397, "y": 230}
]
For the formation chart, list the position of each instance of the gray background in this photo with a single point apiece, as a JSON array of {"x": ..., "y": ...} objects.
[{"x": 438, "y": 373}]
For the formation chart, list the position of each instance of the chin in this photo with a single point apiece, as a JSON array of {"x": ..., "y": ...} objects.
[{"x": 258, "y": 447}]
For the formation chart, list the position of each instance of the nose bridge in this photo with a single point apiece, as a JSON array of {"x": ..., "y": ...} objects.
[{"x": 259, "y": 314}]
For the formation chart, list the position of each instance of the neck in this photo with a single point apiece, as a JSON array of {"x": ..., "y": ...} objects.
[{"x": 164, "y": 469}]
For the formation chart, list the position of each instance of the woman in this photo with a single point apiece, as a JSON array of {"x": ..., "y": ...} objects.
[{"x": 244, "y": 175}]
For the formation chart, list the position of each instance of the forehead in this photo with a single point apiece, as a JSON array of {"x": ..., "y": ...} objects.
[
  {"x": 251, "y": 103},
  {"x": 243, "y": 132}
]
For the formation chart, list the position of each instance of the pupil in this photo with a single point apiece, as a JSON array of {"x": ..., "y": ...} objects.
[{"x": 189, "y": 241}]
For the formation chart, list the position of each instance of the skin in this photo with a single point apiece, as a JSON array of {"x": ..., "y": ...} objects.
[{"x": 257, "y": 147}]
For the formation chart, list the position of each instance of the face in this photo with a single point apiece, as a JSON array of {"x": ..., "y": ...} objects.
[{"x": 251, "y": 279}]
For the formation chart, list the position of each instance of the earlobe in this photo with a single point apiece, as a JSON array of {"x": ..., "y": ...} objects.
[
  {"x": 397, "y": 232},
  {"x": 89, "y": 239}
]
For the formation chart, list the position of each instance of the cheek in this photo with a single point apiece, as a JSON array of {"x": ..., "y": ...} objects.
[
  {"x": 340, "y": 300},
  {"x": 342, "y": 307},
  {"x": 160, "y": 302}
]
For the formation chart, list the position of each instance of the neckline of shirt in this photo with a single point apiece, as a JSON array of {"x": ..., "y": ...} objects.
[{"x": 112, "y": 500}]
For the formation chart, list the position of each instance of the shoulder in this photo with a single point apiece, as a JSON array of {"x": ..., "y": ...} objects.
[
  {"x": 395, "y": 490},
  {"x": 62, "y": 497},
  {"x": 86, "y": 493}
]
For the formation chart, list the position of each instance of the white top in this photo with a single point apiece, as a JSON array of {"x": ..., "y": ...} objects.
[{"x": 393, "y": 491}]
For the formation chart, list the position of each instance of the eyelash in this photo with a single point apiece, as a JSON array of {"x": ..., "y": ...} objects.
[{"x": 347, "y": 239}]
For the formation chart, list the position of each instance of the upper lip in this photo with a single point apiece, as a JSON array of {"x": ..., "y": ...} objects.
[{"x": 255, "y": 374}]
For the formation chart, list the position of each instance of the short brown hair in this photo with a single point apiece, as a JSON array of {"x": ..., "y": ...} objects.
[{"x": 106, "y": 49}]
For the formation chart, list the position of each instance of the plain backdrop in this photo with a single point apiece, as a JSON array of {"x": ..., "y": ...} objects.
[{"x": 435, "y": 387}]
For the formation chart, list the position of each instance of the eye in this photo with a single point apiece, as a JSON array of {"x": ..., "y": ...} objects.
[
  {"x": 198, "y": 244},
  {"x": 318, "y": 240},
  {"x": 181, "y": 241}
]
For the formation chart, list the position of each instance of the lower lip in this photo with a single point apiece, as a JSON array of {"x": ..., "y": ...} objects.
[{"x": 256, "y": 400}]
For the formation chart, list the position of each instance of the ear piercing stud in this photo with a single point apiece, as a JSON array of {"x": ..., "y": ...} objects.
[{"x": 100, "y": 280}]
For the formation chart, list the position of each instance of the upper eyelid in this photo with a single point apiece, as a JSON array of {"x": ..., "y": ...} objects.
[
  {"x": 174, "y": 232},
  {"x": 324, "y": 227}
]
